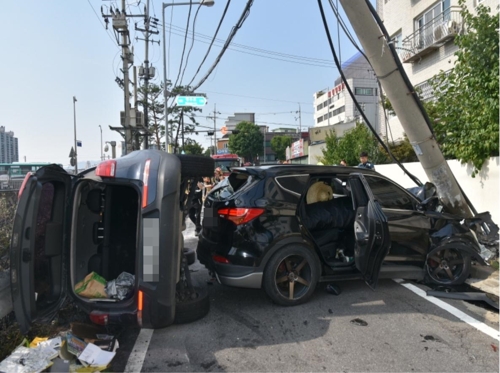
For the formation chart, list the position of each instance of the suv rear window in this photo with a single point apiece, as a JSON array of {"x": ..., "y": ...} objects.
[{"x": 227, "y": 187}]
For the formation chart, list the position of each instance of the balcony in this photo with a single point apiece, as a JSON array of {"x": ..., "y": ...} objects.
[{"x": 432, "y": 35}]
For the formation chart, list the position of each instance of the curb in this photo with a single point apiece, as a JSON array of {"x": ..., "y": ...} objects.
[{"x": 483, "y": 272}]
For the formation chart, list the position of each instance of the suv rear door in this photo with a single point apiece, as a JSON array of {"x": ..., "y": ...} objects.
[
  {"x": 370, "y": 230},
  {"x": 38, "y": 246}
]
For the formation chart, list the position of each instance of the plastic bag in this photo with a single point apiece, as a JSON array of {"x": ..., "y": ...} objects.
[{"x": 121, "y": 286}]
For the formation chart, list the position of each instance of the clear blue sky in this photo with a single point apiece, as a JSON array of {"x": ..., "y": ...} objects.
[{"x": 54, "y": 50}]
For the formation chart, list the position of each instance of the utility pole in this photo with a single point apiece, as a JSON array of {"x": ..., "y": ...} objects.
[
  {"x": 74, "y": 123},
  {"x": 147, "y": 72},
  {"x": 392, "y": 76},
  {"x": 120, "y": 25},
  {"x": 215, "y": 112}
]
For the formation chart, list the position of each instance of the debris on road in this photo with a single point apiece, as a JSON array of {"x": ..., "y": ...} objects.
[
  {"x": 359, "y": 322},
  {"x": 84, "y": 348}
]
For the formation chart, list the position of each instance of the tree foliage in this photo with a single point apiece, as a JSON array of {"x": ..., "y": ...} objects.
[
  {"x": 465, "y": 111},
  {"x": 248, "y": 142},
  {"x": 156, "y": 110},
  {"x": 402, "y": 151},
  {"x": 349, "y": 147},
  {"x": 192, "y": 147},
  {"x": 279, "y": 145}
]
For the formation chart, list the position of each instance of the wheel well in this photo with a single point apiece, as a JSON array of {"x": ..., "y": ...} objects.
[{"x": 295, "y": 240}]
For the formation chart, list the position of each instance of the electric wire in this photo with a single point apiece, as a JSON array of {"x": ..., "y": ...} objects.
[
  {"x": 100, "y": 21},
  {"x": 212, "y": 42},
  {"x": 185, "y": 43},
  {"x": 259, "y": 50},
  {"x": 234, "y": 30},
  {"x": 351, "y": 93},
  {"x": 192, "y": 43}
]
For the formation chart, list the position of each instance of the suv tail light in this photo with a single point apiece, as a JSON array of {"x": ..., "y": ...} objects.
[
  {"x": 145, "y": 180},
  {"x": 239, "y": 215},
  {"x": 23, "y": 185},
  {"x": 106, "y": 169},
  {"x": 99, "y": 318}
]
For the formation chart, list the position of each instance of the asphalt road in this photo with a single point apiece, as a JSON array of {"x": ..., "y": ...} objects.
[{"x": 390, "y": 329}]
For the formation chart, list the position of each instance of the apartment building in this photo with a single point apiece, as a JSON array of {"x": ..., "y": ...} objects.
[
  {"x": 423, "y": 32},
  {"x": 335, "y": 110},
  {"x": 9, "y": 151}
]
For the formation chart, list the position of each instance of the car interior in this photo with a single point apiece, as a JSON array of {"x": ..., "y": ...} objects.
[
  {"x": 328, "y": 215},
  {"x": 105, "y": 230}
]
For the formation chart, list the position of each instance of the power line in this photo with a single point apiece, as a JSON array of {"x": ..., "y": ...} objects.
[
  {"x": 257, "y": 98},
  {"x": 100, "y": 21},
  {"x": 234, "y": 30},
  {"x": 185, "y": 42},
  {"x": 192, "y": 42},
  {"x": 212, "y": 42}
]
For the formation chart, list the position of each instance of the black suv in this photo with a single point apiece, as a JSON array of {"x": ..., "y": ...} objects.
[
  {"x": 286, "y": 227},
  {"x": 126, "y": 215}
]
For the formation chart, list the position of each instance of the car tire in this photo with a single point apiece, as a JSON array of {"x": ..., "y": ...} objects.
[
  {"x": 196, "y": 165},
  {"x": 292, "y": 269},
  {"x": 190, "y": 255},
  {"x": 192, "y": 309},
  {"x": 448, "y": 267}
]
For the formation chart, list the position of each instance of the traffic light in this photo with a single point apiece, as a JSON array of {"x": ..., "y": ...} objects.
[{"x": 210, "y": 133}]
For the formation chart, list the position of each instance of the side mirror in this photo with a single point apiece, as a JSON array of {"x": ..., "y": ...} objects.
[{"x": 430, "y": 203}]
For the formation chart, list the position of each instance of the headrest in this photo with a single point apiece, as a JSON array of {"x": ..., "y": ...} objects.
[{"x": 319, "y": 192}]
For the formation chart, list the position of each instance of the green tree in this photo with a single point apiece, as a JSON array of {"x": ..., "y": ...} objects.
[
  {"x": 209, "y": 151},
  {"x": 156, "y": 110},
  {"x": 402, "y": 151},
  {"x": 177, "y": 114},
  {"x": 355, "y": 141},
  {"x": 248, "y": 142},
  {"x": 279, "y": 145},
  {"x": 465, "y": 109},
  {"x": 192, "y": 147}
]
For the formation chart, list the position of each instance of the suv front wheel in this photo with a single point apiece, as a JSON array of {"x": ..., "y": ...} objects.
[{"x": 291, "y": 275}]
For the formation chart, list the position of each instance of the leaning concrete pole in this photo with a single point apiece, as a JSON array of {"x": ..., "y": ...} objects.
[{"x": 427, "y": 149}]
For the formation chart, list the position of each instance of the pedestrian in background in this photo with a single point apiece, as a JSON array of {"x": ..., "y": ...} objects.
[
  {"x": 218, "y": 176},
  {"x": 363, "y": 158},
  {"x": 343, "y": 162}
]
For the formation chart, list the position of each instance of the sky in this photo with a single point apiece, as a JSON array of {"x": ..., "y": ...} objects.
[{"x": 54, "y": 50}]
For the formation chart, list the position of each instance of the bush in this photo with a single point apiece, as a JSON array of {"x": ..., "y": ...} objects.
[{"x": 8, "y": 201}]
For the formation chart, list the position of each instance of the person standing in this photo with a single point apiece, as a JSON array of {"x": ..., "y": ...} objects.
[
  {"x": 363, "y": 158},
  {"x": 218, "y": 175},
  {"x": 196, "y": 205},
  {"x": 343, "y": 162}
]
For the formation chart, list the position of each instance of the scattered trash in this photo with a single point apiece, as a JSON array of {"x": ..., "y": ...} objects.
[
  {"x": 95, "y": 357},
  {"x": 495, "y": 348},
  {"x": 92, "y": 286},
  {"x": 333, "y": 289},
  {"x": 75, "y": 345},
  {"x": 37, "y": 340},
  {"x": 429, "y": 338},
  {"x": 359, "y": 322},
  {"x": 85, "y": 348},
  {"x": 122, "y": 286}
]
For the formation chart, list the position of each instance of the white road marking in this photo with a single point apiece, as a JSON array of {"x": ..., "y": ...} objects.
[
  {"x": 136, "y": 358},
  {"x": 454, "y": 311}
]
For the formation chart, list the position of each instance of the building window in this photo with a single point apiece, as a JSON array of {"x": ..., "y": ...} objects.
[
  {"x": 319, "y": 119},
  {"x": 424, "y": 25},
  {"x": 319, "y": 107},
  {"x": 363, "y": 91}
]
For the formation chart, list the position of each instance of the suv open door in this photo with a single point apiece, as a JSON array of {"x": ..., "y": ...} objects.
[
  {"x": 370, "y": 230},
  {"x": 39, "y": 248}
]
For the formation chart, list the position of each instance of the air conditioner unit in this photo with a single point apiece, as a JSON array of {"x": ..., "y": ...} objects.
[
  {"x": 438, "y": 33},
  {"x": 453, "y": 27}
]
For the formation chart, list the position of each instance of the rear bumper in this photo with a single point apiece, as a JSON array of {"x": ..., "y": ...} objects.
[{"x": 228, "y": 274}]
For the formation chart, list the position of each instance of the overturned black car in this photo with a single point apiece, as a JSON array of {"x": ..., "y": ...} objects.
[{"x": 287, "y": 227}]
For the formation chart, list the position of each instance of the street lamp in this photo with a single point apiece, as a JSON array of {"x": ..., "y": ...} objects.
[
  {"x": 101, "y": 143},
  {"x": 165, "y": 92},
  {"x": 74, "y": 122}
]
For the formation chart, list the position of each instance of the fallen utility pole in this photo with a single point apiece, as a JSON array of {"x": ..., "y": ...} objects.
[{"x": 392, "y": 77}]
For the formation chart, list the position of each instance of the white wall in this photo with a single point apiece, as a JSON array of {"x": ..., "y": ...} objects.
[{"x": 483, "y": 190}]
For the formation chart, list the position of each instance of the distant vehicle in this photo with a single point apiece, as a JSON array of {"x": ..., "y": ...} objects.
[
  {"x": 12, "y": 174},
  {"x": 226, "y": 162}
]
